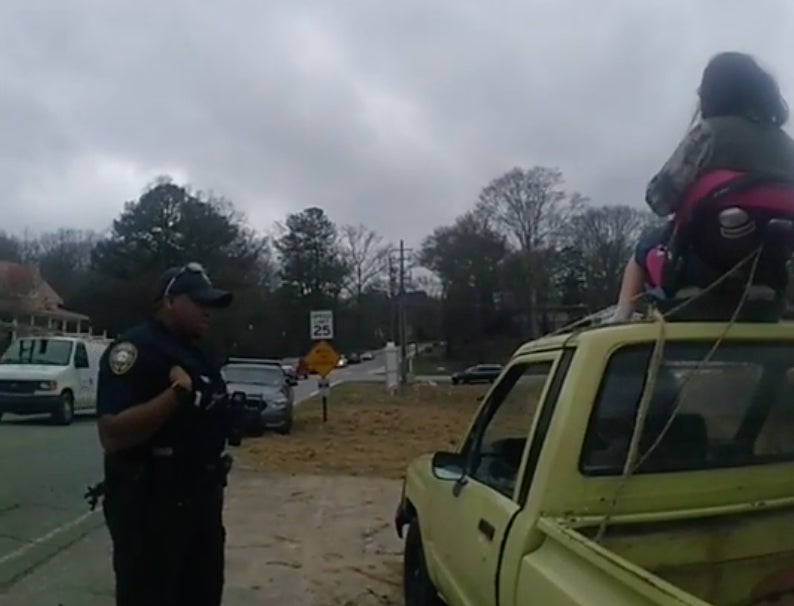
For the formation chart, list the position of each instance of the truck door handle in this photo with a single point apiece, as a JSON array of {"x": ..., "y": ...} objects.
[
  {"x": 486, "y": 528},
  {"x": 457, "y": 487}
]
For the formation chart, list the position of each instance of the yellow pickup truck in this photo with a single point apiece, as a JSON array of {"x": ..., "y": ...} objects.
[{"x": 538, "y": 506}]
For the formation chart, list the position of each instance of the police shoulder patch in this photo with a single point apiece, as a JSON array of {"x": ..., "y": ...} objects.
[{"x": 122, "y": 357}]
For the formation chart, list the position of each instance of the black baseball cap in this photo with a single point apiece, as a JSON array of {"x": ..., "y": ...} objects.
[{"x": 192, "y": 280}]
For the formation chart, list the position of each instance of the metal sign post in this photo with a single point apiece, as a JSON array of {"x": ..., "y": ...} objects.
[
  {"x": 323, "y": 359},
  {"x": 325, "y": 390}
]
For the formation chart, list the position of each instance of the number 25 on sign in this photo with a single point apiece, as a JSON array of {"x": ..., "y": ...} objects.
[{"x": 321, "y": 324}]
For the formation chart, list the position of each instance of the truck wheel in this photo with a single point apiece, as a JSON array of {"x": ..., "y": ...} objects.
[
  {"x": 64, "y": 410},
  {"x": 418, "y": 589}
]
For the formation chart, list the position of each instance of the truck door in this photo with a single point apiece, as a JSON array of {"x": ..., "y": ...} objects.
[
  {"x": 85, "y": 378},
  {"x": 471, "y": 518}
]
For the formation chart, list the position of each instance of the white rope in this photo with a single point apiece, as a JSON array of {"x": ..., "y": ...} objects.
[{"x": 655, "y": 364}]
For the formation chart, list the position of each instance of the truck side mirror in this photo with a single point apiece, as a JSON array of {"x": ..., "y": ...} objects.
[{"x": 449, "y": 466}]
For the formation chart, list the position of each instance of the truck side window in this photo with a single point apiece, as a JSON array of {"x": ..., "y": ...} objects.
[
  {"x": 502, "y": 432},
  {"x": 733, "y": 410},
  {"x": 80, "y": 356}
]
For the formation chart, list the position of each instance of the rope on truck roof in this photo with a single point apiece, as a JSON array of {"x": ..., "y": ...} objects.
[{"x": 633, "y": 462}]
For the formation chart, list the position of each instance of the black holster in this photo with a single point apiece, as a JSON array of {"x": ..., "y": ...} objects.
[{"x": 153, "y": 477}]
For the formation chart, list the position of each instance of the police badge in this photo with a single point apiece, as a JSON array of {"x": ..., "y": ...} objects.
[{"x": 122, "y": 357}]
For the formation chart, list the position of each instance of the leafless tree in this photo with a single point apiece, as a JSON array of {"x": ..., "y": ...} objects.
[
  {"x": 532, "y": 208},
  {"x": 604, "y": 238},
  {"x": 366, "y": 257},
  {"x": 530, "y": 205}
]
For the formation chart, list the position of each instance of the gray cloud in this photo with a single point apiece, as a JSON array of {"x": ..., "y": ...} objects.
[{"x": 392, "y": 114}]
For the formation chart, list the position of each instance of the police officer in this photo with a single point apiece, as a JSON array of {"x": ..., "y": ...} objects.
[{"x": 163, "y": 424}]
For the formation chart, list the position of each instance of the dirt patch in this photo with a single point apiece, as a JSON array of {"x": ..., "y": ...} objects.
[
  {"x": 369, "y": 432},
  {"x": 303, "y": 529},
  {"x": 312, "y": 540}
]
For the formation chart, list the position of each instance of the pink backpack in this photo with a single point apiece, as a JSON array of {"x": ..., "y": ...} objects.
[{"x": 725, "y": 217}]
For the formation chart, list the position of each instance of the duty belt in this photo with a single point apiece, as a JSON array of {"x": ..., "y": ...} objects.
[{"x": 218, "y": 469}]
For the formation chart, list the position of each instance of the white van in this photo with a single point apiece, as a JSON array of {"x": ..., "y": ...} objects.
[{"x": 50, "y": 374}]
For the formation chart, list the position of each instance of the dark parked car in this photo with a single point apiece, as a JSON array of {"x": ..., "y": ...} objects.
[
  {"x": 481, "y": 373},
  {"x": 290, "y": 377},
  {"x": 265, "y": 394},
  {"x": 353, "y": 358},
  {"x": 291, "y": 373}
]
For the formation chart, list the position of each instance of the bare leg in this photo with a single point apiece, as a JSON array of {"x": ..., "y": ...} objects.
[{"x": 630, "y": 289}]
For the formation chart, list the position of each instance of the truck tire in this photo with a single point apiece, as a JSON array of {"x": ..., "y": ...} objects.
[
  {"x": 63, "y": 414},
  {"x": 418, "y": 589}
]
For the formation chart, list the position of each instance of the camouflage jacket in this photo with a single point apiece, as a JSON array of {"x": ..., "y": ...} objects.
[
  {"x": 686, "y": 164},
  {"x": 727, "y": 142}
]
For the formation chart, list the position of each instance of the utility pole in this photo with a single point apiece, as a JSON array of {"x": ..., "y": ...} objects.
[
  {"x": 403, "y": 344},
  {"x": 392, "y": 296},
  {"x": 402, "y": 322}
]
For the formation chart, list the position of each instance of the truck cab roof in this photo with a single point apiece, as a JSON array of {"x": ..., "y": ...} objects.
[{"x": 649, "y": 330}]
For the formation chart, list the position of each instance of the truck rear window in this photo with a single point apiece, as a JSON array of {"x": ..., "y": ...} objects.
[{"x": 735, "y": 410}]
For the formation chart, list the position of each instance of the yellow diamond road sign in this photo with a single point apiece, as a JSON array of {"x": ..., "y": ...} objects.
[{"x": 322, "y": 358}]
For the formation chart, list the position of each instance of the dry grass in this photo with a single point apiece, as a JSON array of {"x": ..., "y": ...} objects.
[{"x": 368, "y": 432}]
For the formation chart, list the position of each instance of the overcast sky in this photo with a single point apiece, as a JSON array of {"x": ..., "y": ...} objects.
[{"x": 393, "y": 114}]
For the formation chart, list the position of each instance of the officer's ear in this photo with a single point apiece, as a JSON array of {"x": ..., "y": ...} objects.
[{"x": 164, "y": 303}]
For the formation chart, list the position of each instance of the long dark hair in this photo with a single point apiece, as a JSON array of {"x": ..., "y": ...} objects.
[{"x": 734, "y": 84}]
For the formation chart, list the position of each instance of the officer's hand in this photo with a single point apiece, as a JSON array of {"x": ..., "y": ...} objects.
[{"x": 180, "y": 377}]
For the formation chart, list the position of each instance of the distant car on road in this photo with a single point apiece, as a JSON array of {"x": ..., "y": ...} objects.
[
  {"x": 353, "y": 358},
  {"x": 265, "y": 394},
  {"x": 302, "y": 370},
  {"x": 367, "y": 356},
  {"x": 342, "y": 362},
  {"x": 480, "y": 373}
]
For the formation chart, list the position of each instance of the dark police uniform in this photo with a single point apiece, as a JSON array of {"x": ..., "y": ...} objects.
[{"x": 163, "y": 499}]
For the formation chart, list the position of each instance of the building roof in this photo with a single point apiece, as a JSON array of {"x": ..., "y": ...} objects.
[
  {"x": 23, "y": 290},
  {"x": 17, "y": 279}
]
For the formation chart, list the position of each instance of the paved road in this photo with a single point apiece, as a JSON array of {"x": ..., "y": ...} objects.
[{"x": 44, "y": 471}]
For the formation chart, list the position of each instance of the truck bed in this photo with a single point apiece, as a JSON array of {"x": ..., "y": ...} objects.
[
  {"x": 569, "y": 569},
  {"x": 726, "y": 560}
]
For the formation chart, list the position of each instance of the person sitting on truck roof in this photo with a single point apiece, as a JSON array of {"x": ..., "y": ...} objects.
[{"x": 738, "y": 126}]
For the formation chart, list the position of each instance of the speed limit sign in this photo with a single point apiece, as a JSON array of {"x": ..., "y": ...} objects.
[{"x": 321, "y": 324}]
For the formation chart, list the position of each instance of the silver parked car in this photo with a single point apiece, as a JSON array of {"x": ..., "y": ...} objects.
[{"x": 265, "y": 392}]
